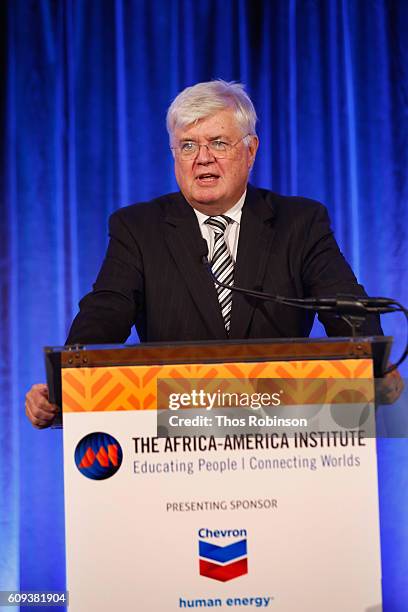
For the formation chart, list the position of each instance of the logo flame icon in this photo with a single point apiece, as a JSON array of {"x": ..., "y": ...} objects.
[{"x": 98, "y": 456}]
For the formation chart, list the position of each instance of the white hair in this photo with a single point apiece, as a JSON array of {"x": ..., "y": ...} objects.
[{"x": 205, "y": 99}]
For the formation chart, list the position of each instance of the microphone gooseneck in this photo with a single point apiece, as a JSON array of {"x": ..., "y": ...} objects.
[{"x": 352, "y": 309}]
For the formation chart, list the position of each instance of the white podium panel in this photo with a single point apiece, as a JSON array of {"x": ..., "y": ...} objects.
[{"x": 282, "y": 522}]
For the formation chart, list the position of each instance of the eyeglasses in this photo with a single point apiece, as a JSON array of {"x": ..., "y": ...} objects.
[{"x": 189, "y": 149}]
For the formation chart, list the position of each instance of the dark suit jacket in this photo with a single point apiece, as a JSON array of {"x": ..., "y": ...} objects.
[{"x": 153, "y": 275}]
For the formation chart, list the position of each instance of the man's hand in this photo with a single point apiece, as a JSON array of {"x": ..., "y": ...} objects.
[
  {"x": 38, "y": 409},
  {"x": 389, "y": 388}
]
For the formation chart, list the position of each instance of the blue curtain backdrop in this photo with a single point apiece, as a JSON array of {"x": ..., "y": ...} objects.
[{"x": 86, "y": 85}]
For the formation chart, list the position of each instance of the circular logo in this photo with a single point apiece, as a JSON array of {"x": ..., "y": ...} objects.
[{"x": 98, "y": 456}]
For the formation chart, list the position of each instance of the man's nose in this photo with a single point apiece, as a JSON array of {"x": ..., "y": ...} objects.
[{"x": 204, "y": 155}]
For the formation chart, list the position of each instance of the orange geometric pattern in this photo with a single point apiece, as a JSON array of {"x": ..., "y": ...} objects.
[{"x": 135, "y": 387}]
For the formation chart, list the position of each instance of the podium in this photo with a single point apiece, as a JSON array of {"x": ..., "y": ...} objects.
[{"x": 229, "y": 475}]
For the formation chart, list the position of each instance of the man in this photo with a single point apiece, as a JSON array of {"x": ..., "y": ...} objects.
[{"x": 153, "y": 274}]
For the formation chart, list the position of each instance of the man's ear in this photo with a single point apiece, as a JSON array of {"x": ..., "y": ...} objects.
[{"x": 252, "y": 149}]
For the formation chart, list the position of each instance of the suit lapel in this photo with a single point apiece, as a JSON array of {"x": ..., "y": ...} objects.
[
  {"x": 254, "y": 246},
  {"x": 187, "y": 246}
]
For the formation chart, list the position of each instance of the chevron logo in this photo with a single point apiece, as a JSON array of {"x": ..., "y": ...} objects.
[{"x": 223, "y": 563}]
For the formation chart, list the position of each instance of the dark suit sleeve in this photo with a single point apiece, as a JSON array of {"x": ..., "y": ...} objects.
[
  {"x": 327, "y": 273},
  {"x": 107, "y": 314}
]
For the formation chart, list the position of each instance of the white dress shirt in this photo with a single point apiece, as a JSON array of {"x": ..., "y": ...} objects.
[{"x": 231, "y": 233}]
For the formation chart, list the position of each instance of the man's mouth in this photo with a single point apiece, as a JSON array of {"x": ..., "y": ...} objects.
[{"x": 207, "y": 177}]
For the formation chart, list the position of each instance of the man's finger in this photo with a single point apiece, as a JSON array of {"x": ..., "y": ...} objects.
[
  {"x": 38, "y": 421},
  {"x": 38, "y": 409},
  {"x": 40, "y": 406}
]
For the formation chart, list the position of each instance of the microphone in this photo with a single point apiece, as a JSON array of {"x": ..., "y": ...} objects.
[
  {"x": 344, "y": 299},
  {"x": 352, "y": 309},
  {"x": 340, "y": 304}
]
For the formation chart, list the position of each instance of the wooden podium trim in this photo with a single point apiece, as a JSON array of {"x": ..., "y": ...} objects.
[{"x": 206, "y": 352}]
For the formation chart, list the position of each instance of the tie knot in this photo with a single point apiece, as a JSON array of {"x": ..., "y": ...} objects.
[{"x": 219, "y": 224}]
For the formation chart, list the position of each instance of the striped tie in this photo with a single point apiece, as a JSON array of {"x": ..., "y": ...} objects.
[{"x": 222, "y": 265}]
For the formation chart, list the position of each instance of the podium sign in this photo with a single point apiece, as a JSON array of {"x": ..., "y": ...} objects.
[{"x": 243, "y": 521}]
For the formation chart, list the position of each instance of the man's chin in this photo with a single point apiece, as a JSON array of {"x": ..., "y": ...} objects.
[{"x": 207, "y": 194}]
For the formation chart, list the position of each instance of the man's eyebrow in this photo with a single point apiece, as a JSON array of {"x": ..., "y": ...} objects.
[{"x": 220, "y": 137}]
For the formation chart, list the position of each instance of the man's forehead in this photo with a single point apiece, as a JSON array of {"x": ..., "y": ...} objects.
[{"x": 222, "y": 122}]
